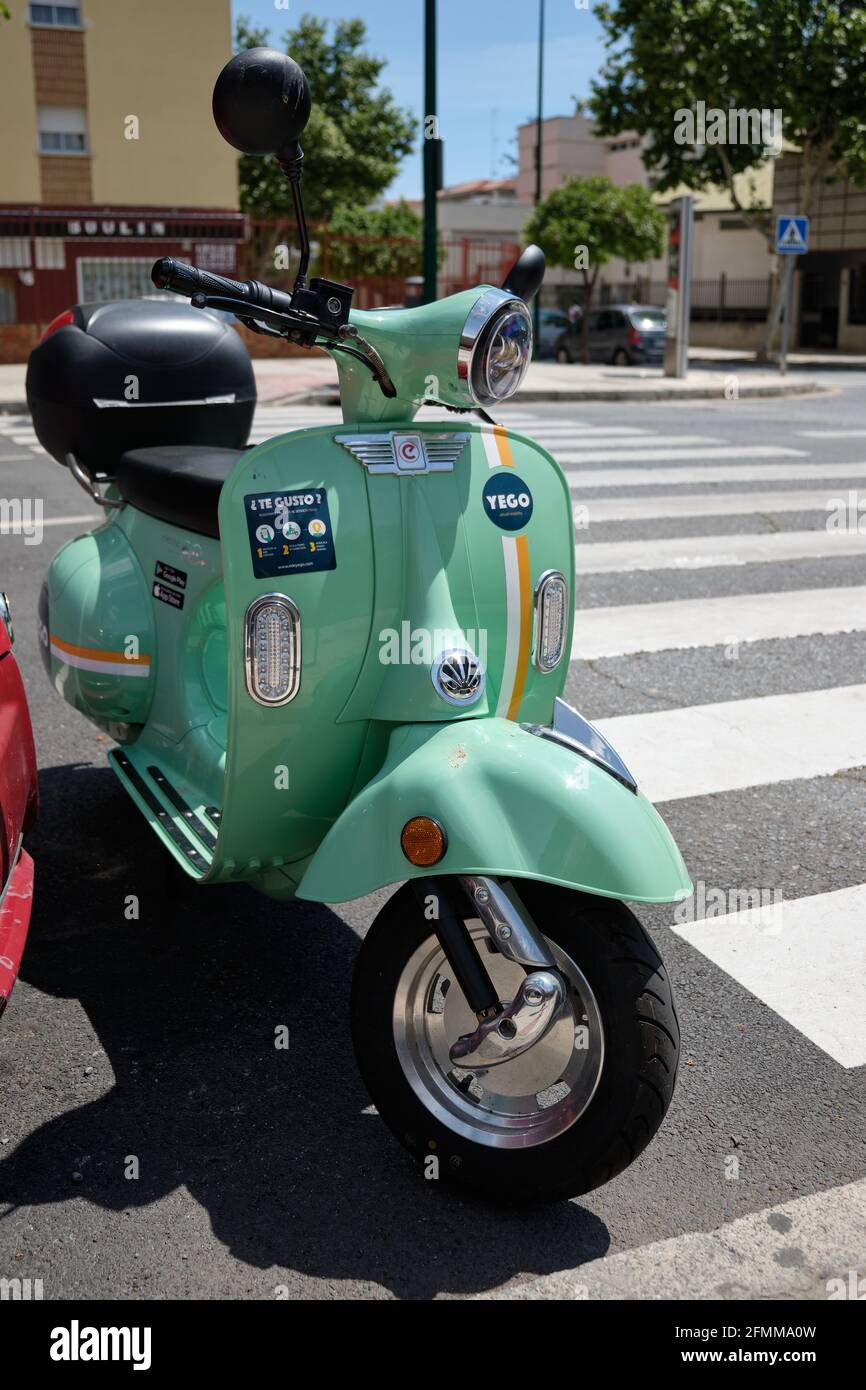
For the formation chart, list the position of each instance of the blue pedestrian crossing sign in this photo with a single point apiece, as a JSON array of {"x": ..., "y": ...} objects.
[{"x": 792, "y": 236}]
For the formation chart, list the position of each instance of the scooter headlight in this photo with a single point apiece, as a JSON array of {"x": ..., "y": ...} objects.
[{"x": 495, "y": 347}]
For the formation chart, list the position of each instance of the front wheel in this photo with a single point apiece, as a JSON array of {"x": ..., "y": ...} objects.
[{"x": 560, "y": 1119}]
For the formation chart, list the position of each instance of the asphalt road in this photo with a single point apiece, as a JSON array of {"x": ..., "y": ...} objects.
[{"x": 261, "y": 1170}]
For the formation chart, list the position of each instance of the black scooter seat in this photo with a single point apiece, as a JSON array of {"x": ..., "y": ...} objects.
[{"x": 180, "y": 484}]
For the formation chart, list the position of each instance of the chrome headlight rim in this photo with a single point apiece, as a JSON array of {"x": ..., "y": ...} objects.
[{"x": 489, "y": 309}]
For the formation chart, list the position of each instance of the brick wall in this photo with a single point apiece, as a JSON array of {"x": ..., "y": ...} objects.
[
  {"x": 65, "y": 179},
  {"x": 58, "y": 68},
  {"x": 17, "y": 340}
]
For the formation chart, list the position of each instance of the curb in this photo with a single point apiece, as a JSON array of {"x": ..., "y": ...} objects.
[
  {"x": 637, "y": 393},
  {"x": 330, "y": 396}
]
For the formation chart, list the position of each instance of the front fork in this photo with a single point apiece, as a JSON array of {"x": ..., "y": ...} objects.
[{"x": 504, "y": 1030}]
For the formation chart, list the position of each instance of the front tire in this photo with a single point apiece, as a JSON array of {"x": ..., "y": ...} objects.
[{"x": 585, "y": 1128}]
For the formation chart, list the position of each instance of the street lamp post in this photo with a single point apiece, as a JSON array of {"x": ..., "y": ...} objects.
[
  {"x": 536, "y": 317},
  {"x": 432, "y": 154}
]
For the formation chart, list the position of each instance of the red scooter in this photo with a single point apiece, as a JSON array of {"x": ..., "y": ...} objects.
[{"x": 18, "y": 802}]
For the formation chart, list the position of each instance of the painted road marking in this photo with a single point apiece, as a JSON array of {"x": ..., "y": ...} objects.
[
  {"x": 704, "y": 749},
  {"x": 706, "y": 552},
  {"x": 723, "y": 473},
  {"x": 712, "y": 622},
  {"x": 805, "y": 959},
  {"x": 810, "y": 1248},
  {"x": 715, "y": 504},
  {"x": 668, "y": 455}
]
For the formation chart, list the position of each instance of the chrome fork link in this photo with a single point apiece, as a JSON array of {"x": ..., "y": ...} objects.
[{"x": 542, "y": 994}]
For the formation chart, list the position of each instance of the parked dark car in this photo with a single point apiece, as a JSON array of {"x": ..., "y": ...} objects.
[
  {"x": 552, "y": 325},
  {"x": 625, "y": 334}
]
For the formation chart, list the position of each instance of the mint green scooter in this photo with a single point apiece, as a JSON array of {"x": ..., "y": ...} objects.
[{"x": 334, "y": 662}]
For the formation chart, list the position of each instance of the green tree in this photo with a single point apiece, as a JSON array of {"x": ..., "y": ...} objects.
[
  {"x": 804, "y": 58},
  {"x": 374, "y": 241},
  {"x": 587, "y": 221},
  {"x": 356, "y": 137}
]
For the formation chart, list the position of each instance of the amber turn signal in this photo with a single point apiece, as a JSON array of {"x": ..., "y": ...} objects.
[{"x": 423, "y": 841}]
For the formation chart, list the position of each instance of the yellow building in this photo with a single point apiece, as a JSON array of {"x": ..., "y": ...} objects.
[{"x": 110, "y": 156}]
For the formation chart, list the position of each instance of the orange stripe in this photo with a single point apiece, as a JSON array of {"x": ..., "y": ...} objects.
[
  {"x": 525, "y": 627},
  {"x": 504, "y": 446},
  {"x": 95, "y": 654}
]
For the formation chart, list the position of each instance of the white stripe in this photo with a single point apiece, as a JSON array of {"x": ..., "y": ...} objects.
[
  {"x": 721, "y": 473},
  {"x": 107, "y": 668},
  {"x": 706, "y": 552},
  {"x": 709, "y": 622},
  {"x": 15, "y": 458},
  {"x": 715, "y": 504},
  {"x": 742, "y": 743},
  {"x": 16, "y": 529},
  {"x": 806, "y": 959},
  {"x": 491, "y": 448},
  {"x": 809, "y": 1248},
  {"x": 832, "y": 434},
  {"x": 631, "y": 450},
  {"x": 512, "y": 637},
  {"x": 582, "y": 431},
  {"x": 663, "y": 455}
]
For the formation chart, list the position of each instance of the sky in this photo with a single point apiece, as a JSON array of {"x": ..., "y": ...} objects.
[{"x": 487, "y": 55}]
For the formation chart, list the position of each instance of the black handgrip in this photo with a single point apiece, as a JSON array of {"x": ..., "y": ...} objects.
[{"x": 169, "y": 274}]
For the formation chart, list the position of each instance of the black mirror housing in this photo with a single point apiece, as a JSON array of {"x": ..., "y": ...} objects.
[
  {"x": 262, "y": 102},
  {"x": 525, "y": 276}
]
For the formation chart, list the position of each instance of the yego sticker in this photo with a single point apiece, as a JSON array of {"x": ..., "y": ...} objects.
[{"x": 507, "y": 501}]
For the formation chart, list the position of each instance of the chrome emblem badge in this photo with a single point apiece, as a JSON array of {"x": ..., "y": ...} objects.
[
  {"x": 458, "y": 677},
  {"x": 404, "y": 452}
]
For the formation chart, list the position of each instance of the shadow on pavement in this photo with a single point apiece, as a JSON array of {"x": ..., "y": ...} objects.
[{"x": 274, "y": 1144}]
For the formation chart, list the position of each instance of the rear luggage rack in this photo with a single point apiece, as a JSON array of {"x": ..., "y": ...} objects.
[{"x": 189, "y": 832}]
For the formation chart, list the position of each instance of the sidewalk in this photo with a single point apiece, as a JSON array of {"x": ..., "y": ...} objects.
[{"x": 715, "y": 373}]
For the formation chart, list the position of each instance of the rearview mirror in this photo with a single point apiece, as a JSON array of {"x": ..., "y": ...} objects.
[
  {"x": 525, "y": 276},
  {"x": 261, "y": 103}
]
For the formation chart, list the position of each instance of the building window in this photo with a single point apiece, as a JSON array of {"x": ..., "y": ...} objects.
[
  {"x": 63, "y": 16},
  {"x": 857, "y": 294},
  {"x": 62, "y": 130},
  {"x": 116, "y": 277}
]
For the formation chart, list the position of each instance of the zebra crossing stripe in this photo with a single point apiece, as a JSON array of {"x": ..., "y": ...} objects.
[
  {"x": 602, "y": 509},
  {"x": 711, "y": 622},
  {"x": 668, "y": 454},
  {"x": 805, "y": 959},
  {"x": 720, "y": 473},
  {"x": 704, "y": 749},
  {"x": 751, "y": 1255},
  {"x": 710, "y": 552}
]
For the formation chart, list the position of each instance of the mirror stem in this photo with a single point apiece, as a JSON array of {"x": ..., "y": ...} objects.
[{"x": 292, "y": 170}]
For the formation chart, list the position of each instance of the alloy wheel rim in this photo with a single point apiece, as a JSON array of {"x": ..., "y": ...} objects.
[{"x": 521, "y": 1103}]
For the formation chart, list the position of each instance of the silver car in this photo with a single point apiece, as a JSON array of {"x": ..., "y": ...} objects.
[{"x": 625, "y": 334}]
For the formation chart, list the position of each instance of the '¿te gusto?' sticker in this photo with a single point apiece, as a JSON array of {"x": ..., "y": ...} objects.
[
  {"x": 289, "y": 532},
  {"x": 507, "y": 501}
]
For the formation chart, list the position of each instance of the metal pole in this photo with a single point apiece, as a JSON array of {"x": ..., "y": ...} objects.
[
  {"x": 431, "y": 154},
  {"x": 687, "y": 222},
  {"x": 536, "y": 307},
  {"x": 789, "y": 284}
]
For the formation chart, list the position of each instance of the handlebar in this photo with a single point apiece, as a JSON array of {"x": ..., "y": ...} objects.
[{"x": 169, "y": 274}]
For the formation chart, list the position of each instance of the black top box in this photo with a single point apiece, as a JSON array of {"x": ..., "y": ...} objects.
[{"x": 135, "y": 374}]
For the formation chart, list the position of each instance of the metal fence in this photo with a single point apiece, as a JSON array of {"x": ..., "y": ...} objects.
[
  {"x": 720, "y": 297},
  {"x": 377, "y": 268}
]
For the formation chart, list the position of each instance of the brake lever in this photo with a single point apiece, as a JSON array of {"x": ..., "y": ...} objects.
[{"x": 299, "y": 326}]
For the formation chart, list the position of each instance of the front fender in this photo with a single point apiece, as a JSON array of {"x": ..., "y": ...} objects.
[{"x": 512, "y": 805}]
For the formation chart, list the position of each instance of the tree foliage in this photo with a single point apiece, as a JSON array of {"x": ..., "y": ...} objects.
[
  {"x": 806, "y": 58},
  {"x": 585, "y": 222},
  {"x": 357, "y": 135},
  {"x": 374, "y": 241}
]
